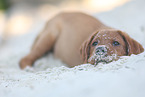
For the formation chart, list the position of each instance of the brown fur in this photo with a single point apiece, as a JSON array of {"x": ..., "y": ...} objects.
[{"x": 71, "y": 35}]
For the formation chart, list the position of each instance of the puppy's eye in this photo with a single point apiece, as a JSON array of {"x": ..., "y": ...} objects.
[
  {"x": 95, "y": 43},
  {"x": 116, "y": 43}
]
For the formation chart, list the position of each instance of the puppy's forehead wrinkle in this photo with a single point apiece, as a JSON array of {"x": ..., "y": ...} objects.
[
  {"x": 107, "y": 35},
  {"x": 104, "y": 34},
  {"x": 109, "y": 38}
]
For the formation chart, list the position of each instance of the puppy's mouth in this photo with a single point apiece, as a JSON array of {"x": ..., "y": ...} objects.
[{"x": 95, "y": 59}]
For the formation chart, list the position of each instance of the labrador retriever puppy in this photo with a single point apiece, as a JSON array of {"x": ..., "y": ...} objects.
[{"x": 78, "y": 38}]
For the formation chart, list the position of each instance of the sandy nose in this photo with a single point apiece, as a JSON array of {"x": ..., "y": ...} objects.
[{"x": 101, "y": 51}]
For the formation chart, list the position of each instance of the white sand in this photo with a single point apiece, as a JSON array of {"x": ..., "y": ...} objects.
[{"x": 123, "y": 78}]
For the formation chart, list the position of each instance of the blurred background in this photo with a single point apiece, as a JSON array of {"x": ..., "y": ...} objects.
[{"x": 18, "y": 17}]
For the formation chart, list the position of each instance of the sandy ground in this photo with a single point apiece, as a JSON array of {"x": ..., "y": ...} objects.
[{"x": 51, "y": 78}]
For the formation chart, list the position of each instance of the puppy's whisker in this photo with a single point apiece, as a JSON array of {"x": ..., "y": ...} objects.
[{"x": 95, "y": 61}]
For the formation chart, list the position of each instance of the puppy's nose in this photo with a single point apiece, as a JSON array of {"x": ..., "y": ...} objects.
[{"x": 101, "y": 51}]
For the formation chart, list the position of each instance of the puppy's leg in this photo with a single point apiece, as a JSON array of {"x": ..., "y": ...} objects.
[{"x": 43, "y": 43}]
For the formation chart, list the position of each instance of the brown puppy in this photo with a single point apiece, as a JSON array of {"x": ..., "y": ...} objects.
[{"x": 78, "y": 38}]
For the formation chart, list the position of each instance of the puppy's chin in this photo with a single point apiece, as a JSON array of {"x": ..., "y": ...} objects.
[{"x": 95, "y": 59}]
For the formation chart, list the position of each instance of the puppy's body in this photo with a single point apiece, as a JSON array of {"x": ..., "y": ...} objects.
[
  {"x": 73, "y": 34},
  {"x": 65, "y": 33}
]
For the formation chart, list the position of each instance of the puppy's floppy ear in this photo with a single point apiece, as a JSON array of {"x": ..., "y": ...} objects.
[
  {"x": 85, "y": 48},
  {"x": 133, "y": 47}
]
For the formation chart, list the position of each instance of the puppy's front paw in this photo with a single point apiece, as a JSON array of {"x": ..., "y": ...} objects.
[{"x": 26, "y": 61}]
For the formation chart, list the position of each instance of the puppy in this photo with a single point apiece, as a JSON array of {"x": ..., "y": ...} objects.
[{"x": 78, "y": 38}]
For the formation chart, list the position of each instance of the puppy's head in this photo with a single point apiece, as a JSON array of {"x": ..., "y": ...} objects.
[{"x": 108, "y": 45}]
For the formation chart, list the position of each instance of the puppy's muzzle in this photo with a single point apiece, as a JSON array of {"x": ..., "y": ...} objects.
[
  {"x": 101, "y": 50},
  {"x": 100, "y": 54}
]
